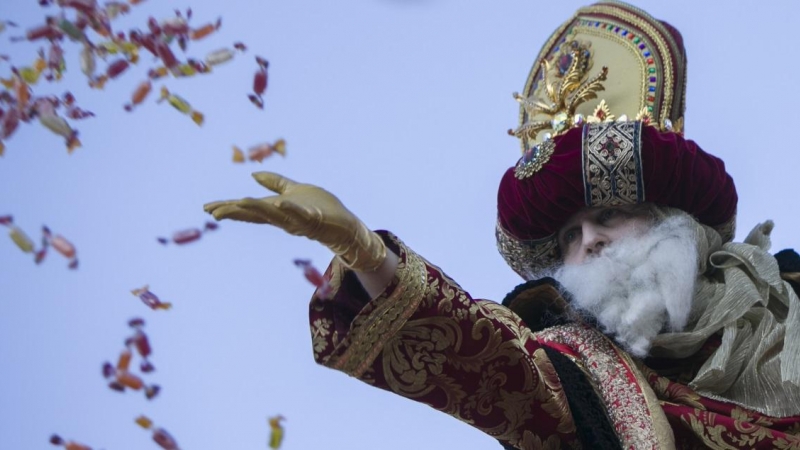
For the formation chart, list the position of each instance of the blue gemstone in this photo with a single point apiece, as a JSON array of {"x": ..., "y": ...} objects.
[
  {"x": 624, "y": 32},
  {"x": 652, "y": 89},
  {"x": 646, "y": 54},
  {"x": 597, "y": 24}
]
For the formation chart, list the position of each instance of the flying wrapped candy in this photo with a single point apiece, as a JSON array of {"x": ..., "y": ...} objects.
[
  {"x": 181, "y": 105},
  {"x": 189, "y": 235},
  {"x": 72, "y": 25},
  {"x": 260, "y": 152},
  {"x": 21, "y": 239},
  {"x": 69, "y": 445},
  {"x": 276, "y": 431},
  {"x": 204, "y": 31},
  {"x": 219, "y": 56},
  {"x": 60, "y": 244},
  {"x": 113, "y": 70},
  {"x": 259, "y": 83},
  {"x": 8, "y": 125},
  {"x": 315, "y": 277},
  {"x": 138, "y": 96},
  {"x": 55, "y": 61},
  {"x": 59, "y": 126},
  {"x": 150, "y": 299},
  {"x": 120, "y": 376},
  {"x": 160, "y": 435},
  {"x": 17, "y": 235},
  {"x": 140, "y": 342},
  {"x": 114, "y": 9},
  {"x": 87, "y": 61}
]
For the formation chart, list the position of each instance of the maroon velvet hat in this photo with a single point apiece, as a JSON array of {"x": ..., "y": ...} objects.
[{"x": 601, "y": 123}]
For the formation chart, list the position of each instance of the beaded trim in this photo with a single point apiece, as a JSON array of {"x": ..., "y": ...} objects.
[
  {"x": 534, "y": 159},
  {"x": 527, "y": 258}
]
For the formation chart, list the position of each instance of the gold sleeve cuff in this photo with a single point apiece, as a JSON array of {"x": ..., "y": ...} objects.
[{"x": 383, "y": 317}]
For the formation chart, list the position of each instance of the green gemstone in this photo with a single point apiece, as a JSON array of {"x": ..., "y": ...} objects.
[
  {"x": 637, "y": 40},
  {"x": 652, "y": 70},
  {"x": 650, "y": 108}
]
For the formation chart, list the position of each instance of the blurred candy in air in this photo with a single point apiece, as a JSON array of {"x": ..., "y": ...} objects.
[
  {"x": 189, "y": 235},
  {"x": 17, "y": 235},
  {"x": 160, "y": 435},
  {"x": 120, "y": 377},
  {"x": 150, "y": 299},
  {"x": 139, "y": 94},
  {"x": 223, "y": 55},
  {"x": 21, "y": 239},
  {"x": 259, "y": 83},
  {"x": 59, "y": 126},
  {"x": 181, "y": 105},
  {"x": 315, "y": 277},
  {"x": 259, "y": 152},
  {"x": 276, "y": 431},
  {"x": 205, "y": 30},
  {"x": 141, "y": 343},
  {"x": 60, "y": 244},
  {"x": 69, "y": 445}
]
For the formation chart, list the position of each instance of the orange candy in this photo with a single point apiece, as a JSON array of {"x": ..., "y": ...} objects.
[{"x": 129, "y": 380}]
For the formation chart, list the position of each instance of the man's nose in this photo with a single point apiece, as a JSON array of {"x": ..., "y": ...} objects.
[{"x": 594, "y": 241}]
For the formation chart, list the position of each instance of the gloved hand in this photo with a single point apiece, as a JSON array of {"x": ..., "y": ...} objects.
[{"x": 307, "y": 210}]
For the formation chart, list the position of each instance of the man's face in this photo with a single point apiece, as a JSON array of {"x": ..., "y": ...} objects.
[
  {"x": 634, "y": 275},
  {"x": 591, "y": 230}
]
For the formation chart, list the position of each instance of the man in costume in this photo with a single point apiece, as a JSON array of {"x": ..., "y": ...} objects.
[{"x": 662, "y": 333}]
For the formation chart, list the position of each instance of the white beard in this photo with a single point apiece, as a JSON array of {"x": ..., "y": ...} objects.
[{"x": 639, "y": 286}]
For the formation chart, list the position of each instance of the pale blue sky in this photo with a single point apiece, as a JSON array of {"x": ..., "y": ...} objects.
[{"x": 400, "y": 109}]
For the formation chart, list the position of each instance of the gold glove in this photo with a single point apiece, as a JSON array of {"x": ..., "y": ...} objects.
[{"x": 310, "y": 211}]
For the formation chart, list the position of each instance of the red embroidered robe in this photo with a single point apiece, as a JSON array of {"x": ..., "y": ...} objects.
[{"x": 426, "y": 339}]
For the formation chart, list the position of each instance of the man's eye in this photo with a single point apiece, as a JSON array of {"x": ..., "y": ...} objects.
[
  {"x": 607, "y": 214},
  {"x": 569, "y": 236}
]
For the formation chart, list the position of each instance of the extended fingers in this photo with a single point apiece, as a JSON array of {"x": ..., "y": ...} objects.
[
  {"x": 212, "y": 206},
  {"x": 273, "y": 181},
  {"x": 268, "y": 208},
  {"x": 235, "y": 212}
]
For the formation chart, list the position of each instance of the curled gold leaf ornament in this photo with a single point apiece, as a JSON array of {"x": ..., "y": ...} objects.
[{"x": 560, "y": 98}]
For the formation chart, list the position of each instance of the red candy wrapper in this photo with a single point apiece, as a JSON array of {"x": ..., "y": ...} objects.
[
  {"x": 189, "y": 235},
  {"x": 315, "y": 277}
]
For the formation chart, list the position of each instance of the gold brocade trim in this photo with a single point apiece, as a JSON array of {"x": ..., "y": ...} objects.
[
  {"x": 388, "y": 315},
  {"x": 658, "y": 38},
  {"x": 661, "y": 426},
  {"x": 612, "y": 164},
  {"x": 623, "y": 391},
  {"x": 527, "y": 258}
]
